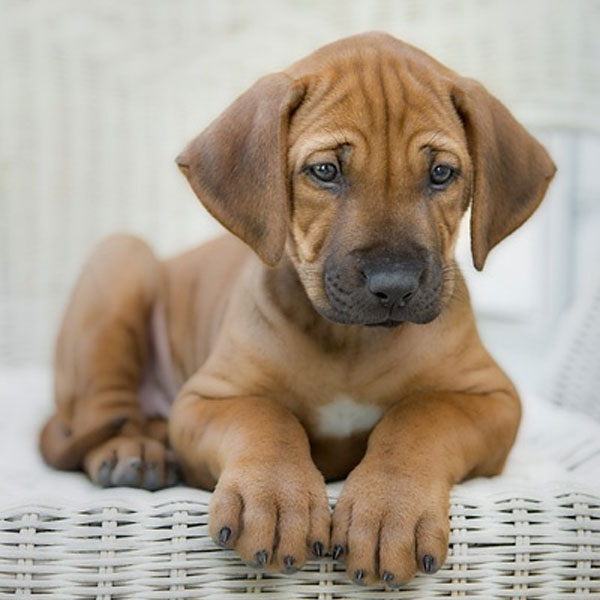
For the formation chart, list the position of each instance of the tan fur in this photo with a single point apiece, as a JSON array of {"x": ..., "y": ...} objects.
[{"x": 252, "y": 351}]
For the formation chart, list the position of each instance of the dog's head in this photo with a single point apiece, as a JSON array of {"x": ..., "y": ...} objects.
[{"x": 359, "y": 162}]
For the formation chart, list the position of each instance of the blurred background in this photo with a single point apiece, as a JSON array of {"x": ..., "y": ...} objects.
[{"x": 98, "y": 97}]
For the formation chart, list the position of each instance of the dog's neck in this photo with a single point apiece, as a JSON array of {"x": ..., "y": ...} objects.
[{"x": 286, "y": 292}]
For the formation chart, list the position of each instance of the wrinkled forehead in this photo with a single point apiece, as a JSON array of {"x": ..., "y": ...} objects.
[{"x": 360, "y": 92}]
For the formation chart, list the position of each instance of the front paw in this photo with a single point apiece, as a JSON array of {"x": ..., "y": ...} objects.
[
  {"x": 387, "y": 525},
  {"x": 274, "y": 515}
]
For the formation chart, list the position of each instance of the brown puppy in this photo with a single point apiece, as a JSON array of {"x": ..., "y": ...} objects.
[{"x": 349, "y": 349}]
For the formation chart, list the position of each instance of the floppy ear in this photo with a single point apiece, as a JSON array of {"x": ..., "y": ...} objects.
[
  {"x": 511, "y": 169},
  {"x": 237, "y": 166}
]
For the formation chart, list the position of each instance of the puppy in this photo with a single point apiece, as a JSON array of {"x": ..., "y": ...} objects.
[{"x": 331, "y": 336}]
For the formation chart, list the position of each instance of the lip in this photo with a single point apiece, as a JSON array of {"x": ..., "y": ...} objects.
[{"x": 387, "y": 323}]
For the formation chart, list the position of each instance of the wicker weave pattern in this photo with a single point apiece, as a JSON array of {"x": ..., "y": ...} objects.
[
  {"x": 532, "y": 533},
  {"x": 540, "y": 546},
  {"x": 575, "y": 368}
]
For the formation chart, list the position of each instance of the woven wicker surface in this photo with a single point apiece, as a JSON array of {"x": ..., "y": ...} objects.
[
  {"x": 529, "y": 544},
  {"x": 574, "y": 368},
  {"x": 532, "y": 533}
]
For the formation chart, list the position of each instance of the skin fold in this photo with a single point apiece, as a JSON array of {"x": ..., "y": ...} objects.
[{"x": 331, "y": 336}]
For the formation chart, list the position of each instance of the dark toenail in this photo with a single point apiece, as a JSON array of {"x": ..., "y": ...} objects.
[
  {"x": 172, "y": 474},
  {"x": 387, "y": 577},
  {"x": 151, "y": 477},
  {"x": 289, "y": 562},
  {"x": 261, "y": 558},
  {"x": 103, "y": 476},
  {"x": 429, "y": 564},
  {"x": 318, "y": 549},
  {"x": 359, "y": 575},
  {"x": 337, "y": 552},
  {"x": 224, "y": 536},
  {"x": 130, "y": 474}
]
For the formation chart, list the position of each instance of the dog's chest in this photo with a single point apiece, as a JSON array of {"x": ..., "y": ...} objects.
[
  {"x": 337, "y": 401},
  {"x": 343, "y": 416}
]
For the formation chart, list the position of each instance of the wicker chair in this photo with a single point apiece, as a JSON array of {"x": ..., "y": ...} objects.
[
  {"x": 532, "y": 533},
  {"x": 97, "y": 99}
]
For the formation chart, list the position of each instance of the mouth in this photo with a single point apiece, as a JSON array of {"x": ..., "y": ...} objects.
[
  {"x": 389, "y": 323},
  {"x": 351, "y": 305}
]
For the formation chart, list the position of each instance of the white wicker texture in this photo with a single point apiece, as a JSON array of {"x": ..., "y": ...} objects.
[
  {"x": 575, "y": 369},
  {"x": 532, "y": 533},
  {"x": 541, "y": 545}
]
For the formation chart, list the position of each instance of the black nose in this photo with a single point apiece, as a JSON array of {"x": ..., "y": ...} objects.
[{"x": 395, "y": 284}]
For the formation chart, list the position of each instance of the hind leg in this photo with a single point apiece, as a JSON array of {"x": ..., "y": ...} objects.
[{"x": 101, "y": 350}]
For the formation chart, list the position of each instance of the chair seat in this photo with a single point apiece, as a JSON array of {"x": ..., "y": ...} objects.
[{"x": 532, "y": 532}]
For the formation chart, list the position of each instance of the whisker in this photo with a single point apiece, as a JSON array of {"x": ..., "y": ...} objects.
[{"x": 451, "y": 274}]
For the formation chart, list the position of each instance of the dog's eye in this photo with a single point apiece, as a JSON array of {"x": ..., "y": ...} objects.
[
  {"x": 326, "y": 172},
  {"x": 440, "y": 175}
]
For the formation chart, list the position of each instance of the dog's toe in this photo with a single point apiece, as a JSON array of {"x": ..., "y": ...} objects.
[
  {"x": 385, "y": 534},
  {"x": 272, "y": 521},
  {"x": 128, "y": 472},
  {"x": 103, "y": 476},
  {"x": 152, "y": 476}
]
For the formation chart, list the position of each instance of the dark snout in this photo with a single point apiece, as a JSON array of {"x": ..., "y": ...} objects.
[
  {"x": 384, "y": 288},
  {"x": 396, "y": 283}
]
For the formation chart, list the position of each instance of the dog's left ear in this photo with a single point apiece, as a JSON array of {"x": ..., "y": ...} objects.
[
  {"x": 511, "y": 169},
  {"x": 238, "y": 167}
]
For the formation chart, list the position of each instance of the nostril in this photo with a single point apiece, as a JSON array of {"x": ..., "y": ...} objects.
[{"x": 393, "y": 286}]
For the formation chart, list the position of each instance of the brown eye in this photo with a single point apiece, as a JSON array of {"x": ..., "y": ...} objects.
[
  {"x": 440, "y": 175},
  {"x": 326, "y": 172}
]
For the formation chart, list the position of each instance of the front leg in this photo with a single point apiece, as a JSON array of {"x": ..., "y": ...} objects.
[
  {"x": 392, "y": 516},
  {"x": 270, "y": 501}
]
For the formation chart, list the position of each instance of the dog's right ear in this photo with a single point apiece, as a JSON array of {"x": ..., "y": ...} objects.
[{"x": 238, "y": 165}]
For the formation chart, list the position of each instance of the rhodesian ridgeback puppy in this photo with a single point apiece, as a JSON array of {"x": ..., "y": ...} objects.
[{"x": 336, "y": 339}]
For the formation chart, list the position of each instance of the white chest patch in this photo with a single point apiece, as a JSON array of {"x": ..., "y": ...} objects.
[{"x": 343, "y": 416}]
